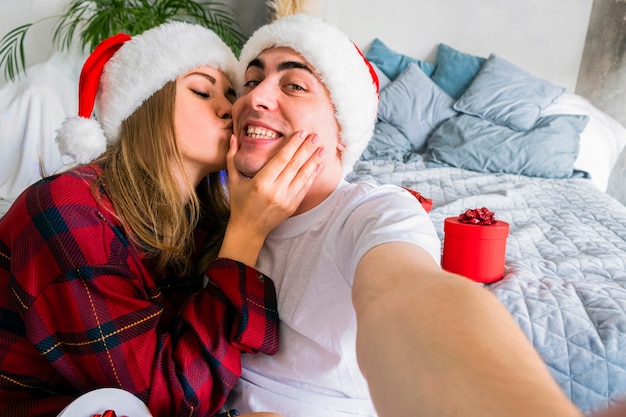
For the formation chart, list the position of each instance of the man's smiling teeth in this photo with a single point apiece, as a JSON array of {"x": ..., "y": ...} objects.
[{"x": 260, "y": 133}]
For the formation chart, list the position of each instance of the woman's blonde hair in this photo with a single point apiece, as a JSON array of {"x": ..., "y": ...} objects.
[{"x": 153, "y": 197}]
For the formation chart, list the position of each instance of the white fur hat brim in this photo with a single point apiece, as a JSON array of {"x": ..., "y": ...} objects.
[{"x": 341, "y": 68}]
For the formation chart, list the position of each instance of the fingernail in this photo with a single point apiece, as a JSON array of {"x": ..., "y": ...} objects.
[
  {"x": 321, "y": 152},
  {"x": 302, "y": 134},
  {"x": 319, "y": 167},
  {"x": 315, "y": 138}
]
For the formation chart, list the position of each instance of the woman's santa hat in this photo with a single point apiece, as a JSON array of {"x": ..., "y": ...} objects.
[
  {"x": 123, "y": 72},
  {"x": 348, "y": 76}
]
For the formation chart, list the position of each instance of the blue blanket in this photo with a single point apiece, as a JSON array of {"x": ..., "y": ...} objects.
[{"x": 565, "y": 268}]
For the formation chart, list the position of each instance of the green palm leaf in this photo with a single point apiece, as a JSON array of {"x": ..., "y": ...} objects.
[{"x": 12, "y": 52}]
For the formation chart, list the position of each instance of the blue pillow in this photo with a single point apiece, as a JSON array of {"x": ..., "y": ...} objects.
[
  {"x": 393, "y": 63},
  {"x": 505, "y": 94},
  {"x": 415, "y": 105},
  {"x": 455, "y": 70},
  {"x": 548, "y": 150},
  {"x": 387, "y": 143}
]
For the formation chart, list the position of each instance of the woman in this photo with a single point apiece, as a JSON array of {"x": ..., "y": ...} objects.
[{"x": 100, "y": 267}]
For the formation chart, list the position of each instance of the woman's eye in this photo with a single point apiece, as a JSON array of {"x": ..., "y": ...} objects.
[
  {"x": 200, "y": 93},
  {"x": 251, "y": 83}
]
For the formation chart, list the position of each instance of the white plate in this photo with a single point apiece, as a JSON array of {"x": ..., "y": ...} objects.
[{"x": 103, "y": 399}]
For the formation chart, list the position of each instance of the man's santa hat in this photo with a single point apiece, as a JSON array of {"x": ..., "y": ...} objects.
[
  {"x": 348, "y": 76},
  {"x": 123, "y": 72}
]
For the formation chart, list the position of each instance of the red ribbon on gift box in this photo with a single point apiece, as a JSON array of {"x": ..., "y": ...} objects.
[
  {"x": 482, "y": 216},
  {"x": 107, "y": 413}
]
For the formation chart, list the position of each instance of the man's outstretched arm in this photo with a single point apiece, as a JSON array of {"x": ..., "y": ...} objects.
[{"x": 438, "y": 344}]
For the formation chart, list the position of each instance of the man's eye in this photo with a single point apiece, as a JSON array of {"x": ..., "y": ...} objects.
[{"x": 295, "y": 87}]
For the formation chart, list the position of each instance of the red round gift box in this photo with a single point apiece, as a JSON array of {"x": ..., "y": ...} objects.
[{"x": 473, "y": 250}]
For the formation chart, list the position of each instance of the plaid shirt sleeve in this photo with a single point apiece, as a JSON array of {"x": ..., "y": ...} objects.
[{"x": 79, "y": 310}]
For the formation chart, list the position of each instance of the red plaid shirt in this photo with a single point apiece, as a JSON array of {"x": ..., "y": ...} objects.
[{"x": 82, "y": 309}]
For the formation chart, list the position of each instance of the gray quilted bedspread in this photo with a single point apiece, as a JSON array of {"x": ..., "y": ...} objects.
[{"x": 565, "y": 269}]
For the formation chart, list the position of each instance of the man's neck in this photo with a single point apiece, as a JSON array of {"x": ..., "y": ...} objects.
[{"x": 319, "y": 191}]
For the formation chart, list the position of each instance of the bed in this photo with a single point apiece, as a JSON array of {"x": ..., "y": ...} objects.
[
  {"x": 472, "y": 132},
  {"x": 464, "y": 131}
]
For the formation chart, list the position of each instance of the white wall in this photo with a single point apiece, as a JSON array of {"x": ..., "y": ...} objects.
[
  {"x": 38, "y": 41},
  {"x": 545, "y": 37}
]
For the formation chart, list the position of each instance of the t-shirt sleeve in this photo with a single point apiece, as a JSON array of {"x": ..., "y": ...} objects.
[{"x": 387, "y": 214}]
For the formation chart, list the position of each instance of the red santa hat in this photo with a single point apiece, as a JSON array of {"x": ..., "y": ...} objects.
[
  {"x": 348, "y": 76},
  {"x": 123, "y": 72}
]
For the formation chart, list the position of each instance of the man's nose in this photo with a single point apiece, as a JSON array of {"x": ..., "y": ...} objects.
[{"x": 263, "y": 96}]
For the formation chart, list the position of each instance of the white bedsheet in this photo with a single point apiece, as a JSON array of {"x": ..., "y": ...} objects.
[{"x": 31, "y": 109}]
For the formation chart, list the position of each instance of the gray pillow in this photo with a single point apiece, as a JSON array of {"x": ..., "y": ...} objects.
[
  {"x": 505, "y": 94},
  {"x": 455, "y": 70},
  {"x": 415, "y": 105},
  {"x": 392, "y": 63},
  {"x": 548, "y": 150},
  {"x": 387, "y": 143}
]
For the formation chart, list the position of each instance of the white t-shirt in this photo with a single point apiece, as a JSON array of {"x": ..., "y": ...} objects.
[{"x": 312, "y": 258}]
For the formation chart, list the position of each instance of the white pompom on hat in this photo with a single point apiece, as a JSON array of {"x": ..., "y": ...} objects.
[
  {"x": 348, "y": 76},
  {"x": 122, "y": 72}
]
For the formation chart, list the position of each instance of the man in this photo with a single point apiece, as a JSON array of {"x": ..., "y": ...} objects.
[{"x": 364, "y": 305}]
